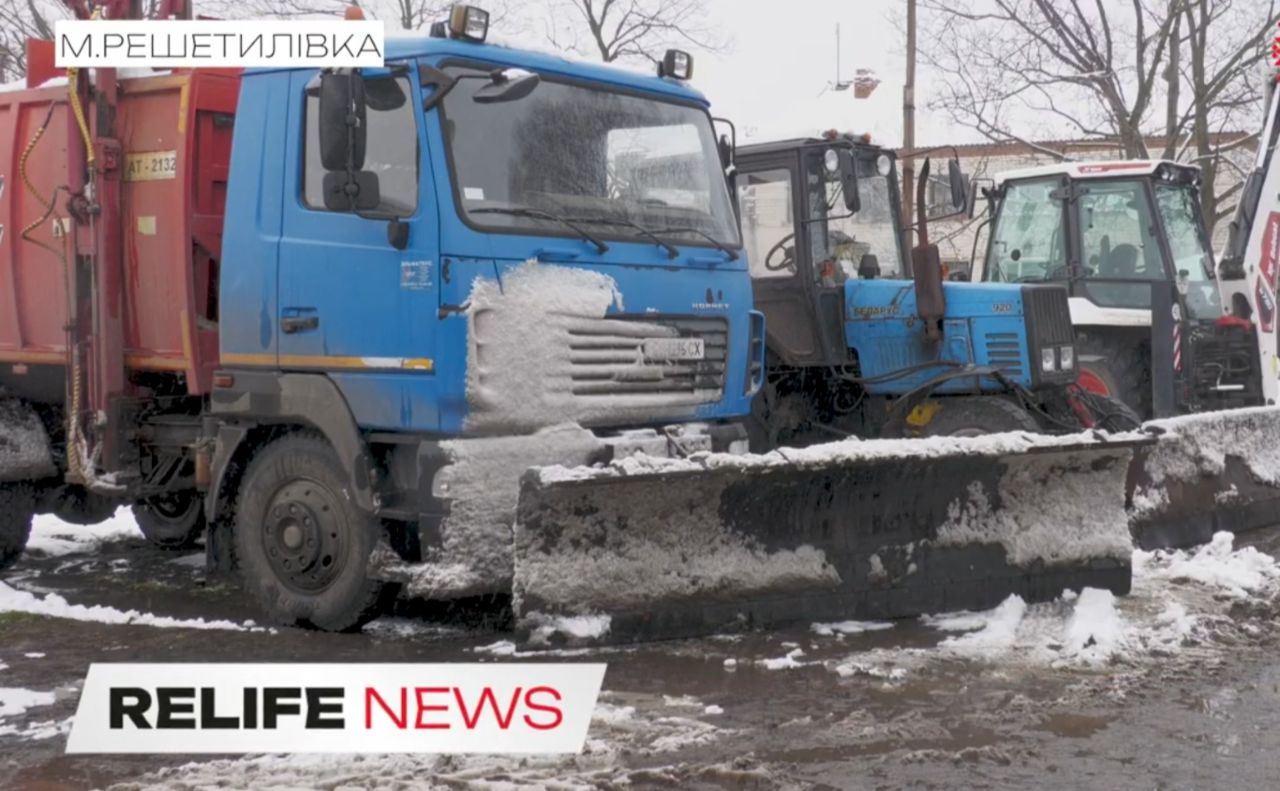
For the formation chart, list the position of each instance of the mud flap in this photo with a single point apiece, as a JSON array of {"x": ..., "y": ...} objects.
[
  {"x": 656, "y": 549},
  {"x": 1206, "y": 473}
]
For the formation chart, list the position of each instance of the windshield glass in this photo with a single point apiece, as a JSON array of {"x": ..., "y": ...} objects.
[
  {"x": 1028, "y": 243},
  {"x": 591, "y": 156},
  {"x": 1192, "y": 259},
  {"x": 841, "y": 241}
]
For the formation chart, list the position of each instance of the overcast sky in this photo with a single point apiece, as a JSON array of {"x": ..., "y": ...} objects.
[{"x": 784, "y": 56}]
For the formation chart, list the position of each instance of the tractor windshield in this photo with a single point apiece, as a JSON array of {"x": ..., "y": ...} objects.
[
  {"x": 629, "y": 166},
  {"x": 844, "y": 242},
  {"x": 1188, "y": 243}
]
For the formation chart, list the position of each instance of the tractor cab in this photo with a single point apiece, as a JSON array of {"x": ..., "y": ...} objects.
[
  {"x": 816, "y": 213},
  {"x": 1128, "y": 241}
]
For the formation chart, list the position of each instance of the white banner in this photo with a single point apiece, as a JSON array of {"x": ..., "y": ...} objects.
[
  {"x": 335, "y": 708},
  {"x": 174, "y": 44}
]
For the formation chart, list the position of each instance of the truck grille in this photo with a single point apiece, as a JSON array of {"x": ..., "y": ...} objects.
[
  {"x": 1004, "y": 352},
  {"x": 607, "y": 357}
]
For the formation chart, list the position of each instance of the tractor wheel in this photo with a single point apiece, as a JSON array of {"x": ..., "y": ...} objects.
[
  {"x": 976, "y": 416},
  {"x": 171, "y": 521},
  {"x": 1117, "y": 367},
  {"x": 75, "y": 506},
  {"x": 17, "y": 507},
  {"x": 1113, "y": 414},
  {"x": 302, "y": 543}
]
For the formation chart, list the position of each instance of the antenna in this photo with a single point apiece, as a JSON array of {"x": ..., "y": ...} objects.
[{"x": 839, "y": 84}]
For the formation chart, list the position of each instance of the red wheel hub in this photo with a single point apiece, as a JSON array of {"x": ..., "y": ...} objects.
[{"x": 1090, "y": 381}]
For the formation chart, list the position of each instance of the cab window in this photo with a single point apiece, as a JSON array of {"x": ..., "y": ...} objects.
[
  {"x": 768, "y": 222},
  {"x": 391, "y": 152},
  {"x": 1028, "y": 243}
]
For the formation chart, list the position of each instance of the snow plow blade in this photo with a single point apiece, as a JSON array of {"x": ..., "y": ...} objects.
[
  {"x": 650, "y": 549},
  {"x": 1206, "y": 473}
]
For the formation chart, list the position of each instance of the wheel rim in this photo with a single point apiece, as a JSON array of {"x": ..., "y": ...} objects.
[
  {"x": 1092, "y": 382},
  {"x": 305, "y": 536}
]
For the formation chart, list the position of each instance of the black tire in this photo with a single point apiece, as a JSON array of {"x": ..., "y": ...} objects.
[
  {"x": 171, "y": 521},
  {"x": 75, "y": 506},
  {"x": 1122, "y": 362},
  {"x": 1113, "y": 414},
  {"x": 974, "y": 416},
  {"x": 17, "y": 507},
  {"x": 302, "y": 543}
]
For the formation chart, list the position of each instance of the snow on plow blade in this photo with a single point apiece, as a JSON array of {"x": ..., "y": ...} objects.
[
  {"x": 1206, "y": 473},
  {"x": 655, "y": 548}
]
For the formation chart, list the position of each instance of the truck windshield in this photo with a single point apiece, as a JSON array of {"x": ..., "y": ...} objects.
[
  {"x": 841, "y": 240},
  {"x": 629, "y": 166},
  {"x": 1192, "y": 259}
]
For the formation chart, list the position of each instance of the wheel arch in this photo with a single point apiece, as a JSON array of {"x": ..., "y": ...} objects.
[{"x": 261, "y": 407}]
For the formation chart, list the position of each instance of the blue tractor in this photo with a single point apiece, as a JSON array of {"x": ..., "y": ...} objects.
[{"x": 865, "y": 340}]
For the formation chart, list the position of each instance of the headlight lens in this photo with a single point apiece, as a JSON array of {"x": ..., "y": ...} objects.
[
  {"x": 884, "y": 165},
  {"x": 831, "y": 160},
  {"x": 1067, "y": 354},
  {"x": 1048, "y": 359}
]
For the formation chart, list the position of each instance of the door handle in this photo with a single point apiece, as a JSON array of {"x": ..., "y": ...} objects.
[{"x": 294, "y": 324}]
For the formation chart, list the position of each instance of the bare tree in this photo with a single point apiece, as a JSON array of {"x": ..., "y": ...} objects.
[
  {"x": 630, "y": 29},
  {"x": 1118, "y": 70}
]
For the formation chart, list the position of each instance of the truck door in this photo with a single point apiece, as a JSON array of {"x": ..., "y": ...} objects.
[
  {"x": 351, "y": 304},
  {"x": 769, "y": 203}
]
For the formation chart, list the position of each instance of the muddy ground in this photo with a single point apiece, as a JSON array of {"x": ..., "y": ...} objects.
[{"x": 1167, "y": 707}]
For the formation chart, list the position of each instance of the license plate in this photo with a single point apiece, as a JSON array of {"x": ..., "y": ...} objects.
[{"x": 665, "y": 349}]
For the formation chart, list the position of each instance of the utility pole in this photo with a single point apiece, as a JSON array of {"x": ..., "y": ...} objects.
[{"x": 909, "y": 127}]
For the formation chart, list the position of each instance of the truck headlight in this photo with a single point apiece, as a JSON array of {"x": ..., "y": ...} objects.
[
  {"x": 1067, "y": 355},
  {"x": 1048, "y": 359}
]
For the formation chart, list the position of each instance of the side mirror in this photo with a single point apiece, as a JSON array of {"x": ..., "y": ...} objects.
[
  {"x": 849, "y": 181},
  {"x": 351, "y": 192},
  {"x": 343, "y": 127},
  {"x": 507, "y": 85},
  {"x": 959, "y": 183}
]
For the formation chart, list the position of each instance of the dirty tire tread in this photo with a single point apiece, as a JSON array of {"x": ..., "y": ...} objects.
[
  {"x": 353, "y": 599},
  {"x": 167, "y": 532},
  {"x": 990, "y": 413},
  {"x": 1123, "y": 364},
  {"x": 16, "y": 512}
]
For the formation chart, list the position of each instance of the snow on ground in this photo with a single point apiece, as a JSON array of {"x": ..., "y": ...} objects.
[
  {"x": 53, "y": 537},
  {"x": 14, "y": 704},
  {"x": 55, "y": 606},
  {"x": 1180, "y": 598}
]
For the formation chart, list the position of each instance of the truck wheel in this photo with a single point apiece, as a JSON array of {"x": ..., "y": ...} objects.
[
  {"x": 17, "y": 507},
  {"x": 171, "y": 521},
  {"x": 1116, "y": 367},
  {"x": 302, "y": 543},
  {"x": 964, "y": 416}
]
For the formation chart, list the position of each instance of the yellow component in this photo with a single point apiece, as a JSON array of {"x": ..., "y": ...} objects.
[
  {"x": 324, "y": 361},
  {"x": 923, "y": 414},
  {"x": 73, "y": 76}
]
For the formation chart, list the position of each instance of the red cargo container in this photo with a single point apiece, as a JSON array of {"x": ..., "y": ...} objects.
[{"x": 176, "y": 133}]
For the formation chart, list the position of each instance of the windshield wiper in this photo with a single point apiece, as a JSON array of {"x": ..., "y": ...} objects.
[
  {"x": 671, "y": 251},
  {"x": 601, "y": 247},
  {"x": 719, "y": 245}
]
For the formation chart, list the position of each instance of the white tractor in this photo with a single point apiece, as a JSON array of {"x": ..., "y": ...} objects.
[{"x": 1127, "y": 239}]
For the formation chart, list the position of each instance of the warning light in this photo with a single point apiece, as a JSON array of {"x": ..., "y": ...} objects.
[{"x": 354, "y": 13}]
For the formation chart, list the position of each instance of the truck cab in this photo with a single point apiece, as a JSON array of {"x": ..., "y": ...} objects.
[{"x": 496, "y": 253}]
